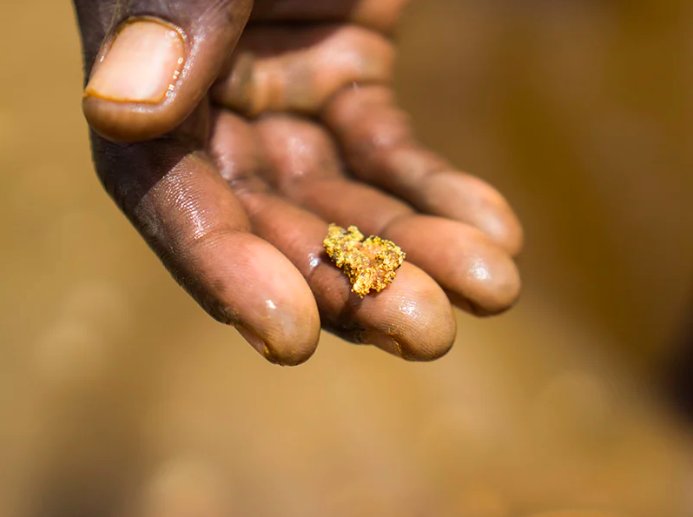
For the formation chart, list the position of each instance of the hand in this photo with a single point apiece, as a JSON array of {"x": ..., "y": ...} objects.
[{"x": 231, "y": 157}]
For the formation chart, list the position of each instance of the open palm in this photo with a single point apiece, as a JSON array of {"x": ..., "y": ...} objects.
[{"x": 234, "y": 176}]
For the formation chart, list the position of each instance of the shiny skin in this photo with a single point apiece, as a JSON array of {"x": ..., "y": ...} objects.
[{"x": 283, "y": 121}]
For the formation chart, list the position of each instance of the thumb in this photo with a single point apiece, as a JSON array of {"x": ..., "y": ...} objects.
[{"x": 150, "y": 62}]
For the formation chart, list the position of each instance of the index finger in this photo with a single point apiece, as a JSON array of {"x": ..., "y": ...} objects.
[{"x": 188, "y": 215}]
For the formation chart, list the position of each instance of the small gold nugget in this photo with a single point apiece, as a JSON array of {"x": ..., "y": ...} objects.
[{"x": 370, "y": 264}]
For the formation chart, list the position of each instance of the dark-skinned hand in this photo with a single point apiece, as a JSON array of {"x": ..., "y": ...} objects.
[{"x": 231, "y": 134}]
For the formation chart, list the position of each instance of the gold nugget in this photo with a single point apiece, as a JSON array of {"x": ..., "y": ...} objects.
[{"x": 370, "y": 264}]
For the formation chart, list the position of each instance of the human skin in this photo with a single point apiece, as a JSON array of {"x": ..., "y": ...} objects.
[{"x": 232, "y": 134}]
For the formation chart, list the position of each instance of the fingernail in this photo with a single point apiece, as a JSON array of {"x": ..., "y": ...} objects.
[
  {"x": 257, "y": 343},
  {"x": 142, "y": 65}
]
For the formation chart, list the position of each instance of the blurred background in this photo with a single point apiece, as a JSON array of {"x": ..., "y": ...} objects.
[{"x": 112, "y": 379}]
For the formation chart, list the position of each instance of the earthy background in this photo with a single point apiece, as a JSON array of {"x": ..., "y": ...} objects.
[{"x": 580, "y": 111}]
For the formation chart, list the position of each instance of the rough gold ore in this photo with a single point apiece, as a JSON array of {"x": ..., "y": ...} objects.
[{"x": 370, "y": 264}]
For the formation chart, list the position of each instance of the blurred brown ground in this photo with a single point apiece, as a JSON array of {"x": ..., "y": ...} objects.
[{"x": 581, "y": 112}]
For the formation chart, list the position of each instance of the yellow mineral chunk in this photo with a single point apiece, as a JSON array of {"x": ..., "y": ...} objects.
[{"x": 370, "y": 264}]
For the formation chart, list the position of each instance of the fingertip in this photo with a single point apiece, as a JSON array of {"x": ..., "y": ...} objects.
[
  {"x": 127, "y": 123},
  {"x": 421, "y": 323},
  {"x": 491, "y": 213},
  {"x": 134, "y": 79},
  {"x": 158, "y": 66},
  {"x": 505, "y": 230},
  {"x": 140, "y": 63},
  {"x": 492, "y": 285},
  {"x": 279, "y": 317},
  {"x": 489, "y": 300},
  {"x": 293, "y": 356},
  {"x": 481, "y": 275},
  {"x": 473, "y": 201}
]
